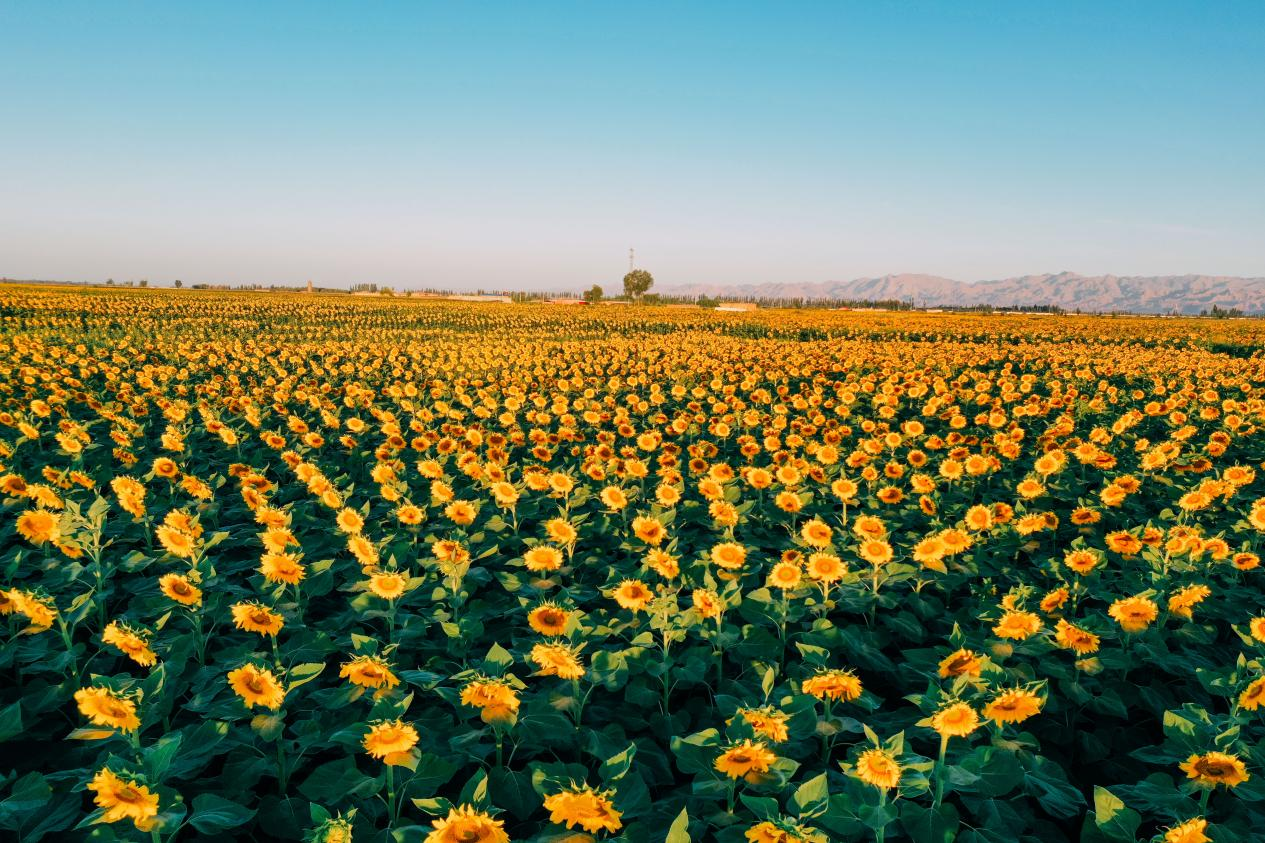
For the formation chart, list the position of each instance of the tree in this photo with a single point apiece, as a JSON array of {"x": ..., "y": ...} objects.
[
  {"x": 179, "y": 283},
  {"x": 637, "y": 282},
  {"x": 593, "y": 294}
]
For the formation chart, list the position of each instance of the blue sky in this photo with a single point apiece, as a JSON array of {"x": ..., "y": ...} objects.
[{"x": 530, "y": 144}]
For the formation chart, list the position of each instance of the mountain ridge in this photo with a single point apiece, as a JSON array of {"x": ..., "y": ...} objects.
[{"x": 1187, "y": 294}]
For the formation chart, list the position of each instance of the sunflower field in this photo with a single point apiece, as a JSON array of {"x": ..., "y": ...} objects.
[{"x": 296, "y": 567}]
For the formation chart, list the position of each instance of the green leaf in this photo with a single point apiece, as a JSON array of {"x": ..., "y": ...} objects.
[
  {"x": 1113, "y": 818},
  {"x": 11, "y": 721},
  {"x": 301, "y": 674},
  {"x": 159, "y": 756},
  {"x": 679, "y": 831},
  {"x": 498, "y": 659},
  {"x": 811, "y": 798},
  {"x": 615, "y": 767},
  {"x": 213, "y": 813}
]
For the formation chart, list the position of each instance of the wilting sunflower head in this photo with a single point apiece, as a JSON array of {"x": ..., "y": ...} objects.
[
  {"x": 391, "y": 741},
  {"x": 124, "y": 798},
  {"x": 467, "y": 824},
  {"x": 581, "y": 805}
]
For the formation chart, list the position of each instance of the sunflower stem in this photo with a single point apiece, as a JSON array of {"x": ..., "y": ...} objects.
[{"x": 940, "y": 769}]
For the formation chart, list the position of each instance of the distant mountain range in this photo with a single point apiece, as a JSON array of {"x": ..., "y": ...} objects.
[{"x": 1068, "y": 290}]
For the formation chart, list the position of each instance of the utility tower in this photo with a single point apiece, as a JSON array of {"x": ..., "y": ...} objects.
[{"x": 630, "y": 260}]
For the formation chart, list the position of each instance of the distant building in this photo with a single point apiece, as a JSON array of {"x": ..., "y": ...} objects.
[
  {"x": 567, "y": 301},
  {"x": 737, "y": 306},
  {"x": 480, "y": 298}
]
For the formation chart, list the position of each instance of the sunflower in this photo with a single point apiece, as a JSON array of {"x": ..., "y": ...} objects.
[
  {"x": 1256, "y": 627},
  {"x": 390, "y": 740},
  {"x": 729, "y": 555},
  {"x": 39, "y": 609},
  {"x": 956, "y": 720},
  {"x": 1013, "y": 706},
  {"x": 363, "y": 549},
  {"x": 960, "y": 663},
  {"x": 707, "y": 603},
  {"x": 563, "y": 532},
  {"x": 1253, "y": 696},
  {"x": 1184, "y": 601},
  {"x": 767, "y": 722},
  {"x": 875, "y": 551},
  {"x": 877, "y": 768},
  {"x": 745, "y": 759},
  {"x": 256, "y": 617},
  {"x": 1215, "y": 768},
  {"x": 1134, "y": 614},
  {"x": 132, "y": 642},
  {"x": 369, "y": 672},
  {"x": 124, "y": 799},
  {"x": 833, "y": 685},
  {"x": 282, "y": 568},
  {"x": 663, "y": 563},
  {"x": 1017, "y": 626},
  {"x": 389, "y": 585},
  {"x": 1074, "y": 638},
  {"x": 1191, "y": 831},
  {"x": 176, "y": 542},
  {"x": 496, "y": 700},
  {"x": 786, "y": 575},
  {"x": 256, "y": 686},
  {"x": 549, "y": 619},
  {"x": 581, "y": 805},
  {"x": 557, "y": 660},
  {"x": 349, "y": 521},
  {"x": 649, "y": 530},
  {"x": 1081, "y": 561},
  {"x": 543, "y": 557},
  {"x": 783, "y": 830},
  {"x": 633, "y": 594},
  {"x": 38, "y": 526},
  {"x": 106, "y": 708},
  {"x": 332, "y": 831},
  {"x": 467, "y": 824},
  {"x": 461, "y": 513},
  {"x": 816, "y": 533}
]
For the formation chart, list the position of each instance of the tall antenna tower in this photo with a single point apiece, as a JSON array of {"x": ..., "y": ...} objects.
[{"x": 630, "y": 260}]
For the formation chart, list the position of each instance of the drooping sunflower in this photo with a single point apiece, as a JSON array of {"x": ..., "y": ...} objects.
[
  {"x": 256, "y": 617},
  {"x": 1191, "y": 831},
  {"x": 369, "y": 672},
  {"x": 391, "y": 741},
  {"x": 496, "y": 700},
  {"x": 124, "y": 799},
  {"x": 1013, "y": 706},
  {"x": 282, "y": 568},
  {"x": 745, "y": 759},
  {"x": 833, "y": 685},
  {"x": 557, "y": 660},
  {"x": 767, "y": 722},
  {"x": 581, "y": 805},
  {"x": 256, "y": 686},
  {"x": 38, "y": 526},
  {"x": 132, "y": 642},
  {"x": 467, "y": 824},
  {"x": 104, "y": 707},
  {"x": 955, "y": 720}
]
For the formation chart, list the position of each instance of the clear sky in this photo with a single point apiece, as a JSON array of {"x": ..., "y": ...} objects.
[{"x": 530, "y": 144}]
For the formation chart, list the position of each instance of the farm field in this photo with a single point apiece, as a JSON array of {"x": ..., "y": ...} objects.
[{"x": 295, "y": 567}]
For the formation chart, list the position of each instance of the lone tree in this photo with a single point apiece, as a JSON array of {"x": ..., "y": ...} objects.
[
  {"x": 637, "y": 282},
  {"x": 593, "y": 294}
]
